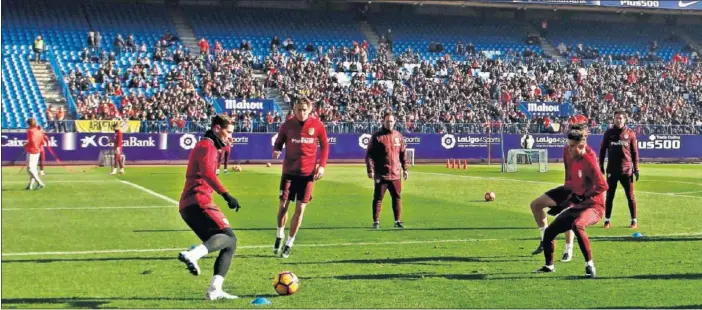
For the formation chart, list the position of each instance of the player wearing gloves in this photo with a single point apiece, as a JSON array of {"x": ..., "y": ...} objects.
[
  {"x": 623, "y": 164},
  {"x": 584, "y": 207},
  {"x": 199, "y": 211}
]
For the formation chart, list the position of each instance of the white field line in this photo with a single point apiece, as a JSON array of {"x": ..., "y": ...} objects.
[
  {"x": 87, "y": 208},
  {"x": 249, "y": 247},
  {"x": 675, "y": 182},
  {"x": 539, "y": 182},
  {"x": 150, "y": 192},
  {"x": 49, "y": 182},
  {"x": 117, "y": 251},
  {"x": 695, "y": 192}
]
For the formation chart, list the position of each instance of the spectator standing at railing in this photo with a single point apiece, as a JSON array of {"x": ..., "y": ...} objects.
[
  {"x": 60, "y": 118},
  {"x": 50, "y": 118}
]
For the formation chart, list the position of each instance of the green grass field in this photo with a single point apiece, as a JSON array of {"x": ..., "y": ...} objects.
[{"x": 90, "y": 240}]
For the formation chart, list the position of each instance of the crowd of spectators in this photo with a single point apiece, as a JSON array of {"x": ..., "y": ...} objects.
[{"x": 350, "y": 87}]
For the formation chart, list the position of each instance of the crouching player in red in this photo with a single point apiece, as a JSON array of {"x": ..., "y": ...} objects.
[
  {"x": 550, "y": 199},
  {"x": 585, "y": 206},
  {"x": 224, "y": 155},
  {"x": 201, "y": 214},
  {"x": 385, "y": 157},
  {"x": 301, "y": 135},
  {"x": 118, "y": 142}
]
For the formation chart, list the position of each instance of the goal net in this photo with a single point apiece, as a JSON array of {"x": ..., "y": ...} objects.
[
  {"x": 527, "y": 159},
  {"x": 410, "y": 156}
]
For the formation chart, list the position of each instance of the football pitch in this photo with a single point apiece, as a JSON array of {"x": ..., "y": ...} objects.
[{"x": 91, "y": 240}]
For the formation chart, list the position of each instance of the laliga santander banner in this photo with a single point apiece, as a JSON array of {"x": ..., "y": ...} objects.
[
  {"x": 106, "y": 125},
  {"x": 163, "y": 147}
]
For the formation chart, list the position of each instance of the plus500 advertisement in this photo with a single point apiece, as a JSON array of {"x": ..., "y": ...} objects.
[{"x": 176, "y": 147}]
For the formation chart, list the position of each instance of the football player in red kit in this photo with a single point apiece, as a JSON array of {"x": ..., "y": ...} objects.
[
  {"x": 386, "y": 164},
  {"x": 301, "y": 135},
  {"x": 623, "y": 164},
  {"x": 224, "y": 155},
  {"x": 35, "y": 140},
  {"x": 553, "y": 198},
  {"x": 585, "y": 206},
  {"x": 201, "y": 214},
  {"x": 117, "y": 159}
]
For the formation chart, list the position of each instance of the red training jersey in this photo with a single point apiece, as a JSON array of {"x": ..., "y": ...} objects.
[
  {"x": 35, "y": 140},
  {"x": 587, "y": 180},
  {"x": 118, "y": 139},
  {"x": 385, "y": 155},
  {"x": 568, "y": 183},
  {"x": 623, "y": 151},
  {"x": 301, "y": 140},
  {"x": 200, "y": 178}
]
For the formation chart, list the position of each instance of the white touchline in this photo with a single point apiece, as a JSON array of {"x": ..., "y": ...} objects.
[
  {"x": 49, "y": 181},
  {"x": 248, "y": 247},
  {"x": 539, "y": 182},
  {"x": 86, "y": 208},
  {"x": 695, "y": 192},
  {"x": 117, "y": 251},
  {"x": 148, "y": 191}
]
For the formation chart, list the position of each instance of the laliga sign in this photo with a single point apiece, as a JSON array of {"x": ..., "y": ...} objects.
[
  {"x": 188, "y": 141},
  {"x": 363, "y": 141},
  {"x": 449, "y": 141},
  {"x": 14, "y": 142}
]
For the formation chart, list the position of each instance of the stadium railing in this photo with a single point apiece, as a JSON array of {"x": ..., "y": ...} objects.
[
  {"x": 53, "y": 61},
  {"x": 369, "y": 127}
]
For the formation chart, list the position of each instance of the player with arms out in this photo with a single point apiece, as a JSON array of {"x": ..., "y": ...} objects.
[
  {"x": 385, "y": 157},
  {"x": 584, "y": 207},
  {"x": 118, "y": 142},
  {"x": 33, "y": 147},
  {"x": 224, "y": 155},
  {"x": 551, "y": 199},
  {"x": 201, "y": 214},
  {"x": 300, "y": 134},
  {"x": 623, "y": 164}
]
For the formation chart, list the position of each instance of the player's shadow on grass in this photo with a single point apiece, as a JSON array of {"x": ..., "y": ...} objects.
[
  {"x": 454, "y": 228},
  {"x": 408, "y": 276},
  {"x": 242, "y": 229},
  {"x": 416, "y": 260},
  {"x": 113, "y": 259},
  {"x": 96, "y": 302},
  {"x": 672, "y": 276},
  {"x": 648, "y": 239}
]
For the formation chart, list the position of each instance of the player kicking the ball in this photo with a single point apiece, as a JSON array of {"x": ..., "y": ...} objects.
[
  {"x": 301, "y": 135},
  {"x": 620, "y": 142},
  {"x": 385, "y": 157},
  {"x": 200, "y": 213},
  {"x": 551, "y": 199},
  {"x": 584, "y": 207}
]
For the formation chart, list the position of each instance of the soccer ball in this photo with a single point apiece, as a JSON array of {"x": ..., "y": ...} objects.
[
  {"x": 489, "y": 196},
  {"x": 268, "y": 164},
  {"x": 237, "y": 168},
  {"x": 286, "y": 283}
]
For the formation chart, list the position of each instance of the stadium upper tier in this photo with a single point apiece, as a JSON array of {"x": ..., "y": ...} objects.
[
  {"x": 231, "y": 26},
  {"x": 615, "y": 38},
  {"x": 486, "y": 35},
  {"x": 20, "y": 94}
]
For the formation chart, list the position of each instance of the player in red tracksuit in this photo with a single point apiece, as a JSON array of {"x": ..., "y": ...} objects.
[
  {"x": 201, "y": 214},
  {"x": 224, "y": 155},
  {"x": 301, "y": 135},
  {"x": 386, "y": 164},
  {"x": 585, "y": 206},
  {"x": 553, "y": 198},
  {"x": 35, "y": 140},
  {"x": 118, "y": 142},
  {"x": 620, "y": 142}
]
